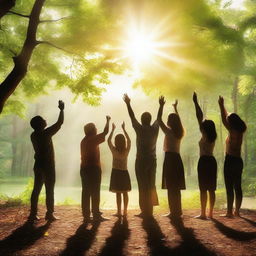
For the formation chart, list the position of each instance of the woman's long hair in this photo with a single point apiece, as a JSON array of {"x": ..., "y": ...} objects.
[
  {"x": 209, "y": 129},
  {"x": 236, "y": 123},
  {"x": 120, "y": 142},
  {"x": 174, "y": 123}
]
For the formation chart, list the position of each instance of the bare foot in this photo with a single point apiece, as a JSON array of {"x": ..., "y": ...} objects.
[
  {"x": 201, "y": 217},
  {"x": 237, "y": 214},
  {"x": 227, "y": 215}
]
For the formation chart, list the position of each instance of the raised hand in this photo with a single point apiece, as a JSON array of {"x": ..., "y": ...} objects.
[
  {"x": 195, "y": 97},
  {"x": 113, "y": 126},
  {"x": 108, "y": 118},
  {"x": 175, "y": 104},
  {"x": 61, "y": 105},
  {"x": 126, "y": 98},
  {"x": 161, "y": 101},
  {"x": 221, "y": 101},
  {"x": 123, "y": 125}
]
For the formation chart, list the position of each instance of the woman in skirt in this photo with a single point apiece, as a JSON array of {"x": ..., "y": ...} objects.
[
  {"x": 173, "y": 171},
  {"x": 233, "y": 165},
  {"x": 120, "y": 182},
  {"x": 207, "y": 165}
]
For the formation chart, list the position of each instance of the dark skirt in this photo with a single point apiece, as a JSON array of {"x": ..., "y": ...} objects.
[
  {"x": 207, "y": 173},
  {"x": 173, "y": 172},
  {"x": 120, "y": 181}
]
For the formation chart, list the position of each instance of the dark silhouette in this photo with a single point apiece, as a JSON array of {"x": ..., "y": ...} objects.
[
  {"x": 207, "y": 164},
  {"x": 91, "y": 170},
  {"x": 116, "y": 242},
  {"x": 233, "y": 165},
  {"x": 44, "y": 167},
  {"x": 81, "y": 241},
  {"x": 145, "y": 165},
  {"x": 120, "y": 182},
  {"x": 173, "y": 170},
  {"x": 253, "y": 223},
  {"x": 234, "y": 234},
  {"x": 22, "y": 238}
]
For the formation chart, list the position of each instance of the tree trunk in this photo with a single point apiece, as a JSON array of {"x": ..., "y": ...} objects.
[
  {"x": 5, "y": 6},
  {"x": 8, "y": 86},
  {"x": 235, "y": 93},
  {"x": 14, "y": 146}
]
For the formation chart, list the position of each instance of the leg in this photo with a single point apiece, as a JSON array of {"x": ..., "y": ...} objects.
[
  {"x": 95, "y": 192},
  {"x": 38, "y": 183},
  {"x": 212, "y": 202},
  {"x": 85, "y": 197},
  {"x": 118, "y": 203},
  {"x": 126, "y": 200},
  {"x": 49, "y": 189},
  {"x": 239, "y": 194},
  {"x": 203, "y": 201},
  {"x": 138, "y": 170},
  {"x": 229, "y": 188},
  {"x": 174, "y": 199}
]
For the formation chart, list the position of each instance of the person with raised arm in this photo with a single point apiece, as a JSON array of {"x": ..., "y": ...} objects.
[
  {"x": 233, "y": 165},
  {"x": 145, "y": 164},
  {"x": 44, "y": 167},
  {"x": 207, "y": 165},
  {"x": 120, "y": 182},
  {"x": 173, "y": 171},
  {"x": 90, "y": 170}
]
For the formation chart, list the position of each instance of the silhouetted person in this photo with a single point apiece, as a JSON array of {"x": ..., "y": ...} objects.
[
  {"x": 91, "y": 170},
  {"x": 120, "y": 182},
  {"x": 173, "y": 171},
  {"x": 207, "y": 165},
  {"x": 44, "y": 167},
  {"x": 145, "y": 165},
  {"x": 233, "y": 165}
]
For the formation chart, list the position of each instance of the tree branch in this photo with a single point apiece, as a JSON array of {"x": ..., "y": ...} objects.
[
  {"x": 53, "y": 45},
  {"x": 19, "y": 14},
  {"x": 44, "y": 21}
]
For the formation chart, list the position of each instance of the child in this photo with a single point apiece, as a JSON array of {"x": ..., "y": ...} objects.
[
  {"x": 44, "y": 167},
  {"x": 207, "y": 165},
  {"x": 120, "y": 182},
  {"x": 91, "y": 170},
  {"x": 173, "y": 170},
  {"x": 233, "y": 165}
]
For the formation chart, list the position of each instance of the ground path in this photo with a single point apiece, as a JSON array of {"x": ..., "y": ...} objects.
[{"x": 158, "y": 236}]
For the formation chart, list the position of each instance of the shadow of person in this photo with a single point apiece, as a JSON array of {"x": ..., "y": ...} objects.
[
  {"x": 116, "y": 242},
  {"x": 234, "y": 234},
  {"x": 190, "y": 245},
  {"x": 81, "y": 241},
  {"x": 155, "y": 238},
  {"x": 22, "y": 238},
  {"x": 253, "y": 223}
]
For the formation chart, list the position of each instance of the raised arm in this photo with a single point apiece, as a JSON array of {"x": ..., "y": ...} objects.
[
  {"x": 127, "y": 101},
  {"x": 199, "y": 112},
  {"x": 127, "y": 137},
  {"x": 111, "y": 146},
  {"x": 175, "y": 107},
  {"x": 164, "y": 128},
  {"x": 223, "y": 111},
  {"x": 55, "y": 127},
  {"x": 106, "y": 128}
]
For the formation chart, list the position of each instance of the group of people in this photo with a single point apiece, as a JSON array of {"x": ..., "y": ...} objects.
[{"x": 173, "y": 178}]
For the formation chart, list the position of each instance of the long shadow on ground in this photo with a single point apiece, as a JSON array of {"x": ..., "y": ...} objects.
[
  {"x": 81, "y": 241},
  {"x": 189, "y": 244},
  {"x": 22, "y": 238},
  {"x": 253, "y": 223},
  {"x": 234, "y": 234},
  {"x": 116, "y": 242}
]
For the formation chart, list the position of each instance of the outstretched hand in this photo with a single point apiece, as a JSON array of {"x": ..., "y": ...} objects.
[
  {"x": 113, "y": 126},
  {"x": 175, "y": 104},
  {"x": 61, "y": 105},
  {"x": 126, "y": 98},
  {"x": 161, "y": 101},
  {"x": 195, "y": 97},
  {"x": 221, "y": 101},
  {"x": 123, "y": 125},
  {"x": 108, "y": 118}
]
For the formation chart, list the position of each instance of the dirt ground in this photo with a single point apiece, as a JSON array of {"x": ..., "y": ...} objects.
[{"x": 158, "y": 236}]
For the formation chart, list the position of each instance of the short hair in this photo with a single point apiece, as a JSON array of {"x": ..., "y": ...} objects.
[
  {"x": 208, "y": 127},
  {"x": 146, "y": 118},
  {"x": 37, "y": 122},
  {"x": 89, "y": 128},
  {"x": 120, "y": 142},
  {"x": 236, "y": 123}
]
